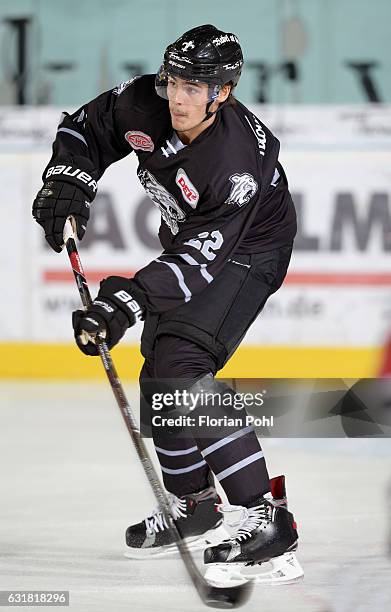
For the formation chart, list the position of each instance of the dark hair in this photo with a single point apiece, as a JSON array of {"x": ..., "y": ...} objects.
[{"x": 231, "y": 100}]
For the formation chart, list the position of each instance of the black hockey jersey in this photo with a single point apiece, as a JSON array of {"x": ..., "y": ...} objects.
[{"x": 225, "y": 193}]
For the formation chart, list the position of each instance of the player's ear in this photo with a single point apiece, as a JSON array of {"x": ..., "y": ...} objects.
[{"x": 224, "y": 93}]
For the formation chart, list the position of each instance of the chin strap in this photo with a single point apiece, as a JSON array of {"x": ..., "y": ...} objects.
[{"x": 208, "y": 114}]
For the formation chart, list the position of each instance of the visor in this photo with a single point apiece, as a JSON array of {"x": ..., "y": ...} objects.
[{"x": 170, "y": 85}]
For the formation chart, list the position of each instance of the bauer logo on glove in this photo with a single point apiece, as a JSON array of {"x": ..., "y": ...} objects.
[{"x": 131, "y": 303}]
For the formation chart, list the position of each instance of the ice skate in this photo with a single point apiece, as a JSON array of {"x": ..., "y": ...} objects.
[
  {"x": 264, "y": 532},
  {"x": 196, "y": 517}
]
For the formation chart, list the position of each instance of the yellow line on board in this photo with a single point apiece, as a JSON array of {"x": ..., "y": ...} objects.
[{"x": 66, "y": 362}]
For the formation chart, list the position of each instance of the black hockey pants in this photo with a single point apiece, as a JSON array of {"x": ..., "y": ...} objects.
[{"x": 194, "y": 340}]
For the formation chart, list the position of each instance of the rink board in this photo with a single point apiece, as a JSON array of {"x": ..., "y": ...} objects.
[
  {"x": 334, "y": 309},
  {"x": 66, "y": 362}
]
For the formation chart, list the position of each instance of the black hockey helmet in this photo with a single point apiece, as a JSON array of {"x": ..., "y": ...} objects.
[{"x": 203, "y": 54}]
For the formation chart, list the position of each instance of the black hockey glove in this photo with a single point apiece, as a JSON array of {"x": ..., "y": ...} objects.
[
  {"x": 117, "y": 306},
  {"x": 67, "y": 191},
  {"x": 55, "y": 202}
]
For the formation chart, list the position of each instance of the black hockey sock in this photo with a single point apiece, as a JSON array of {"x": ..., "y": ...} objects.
[
  {"x": 237, "y": 462},
  {"x": 183, "y": 467},
  {"x": 231, "y": 448}
]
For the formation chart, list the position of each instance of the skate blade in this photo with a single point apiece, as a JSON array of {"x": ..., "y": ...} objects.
[
  {"x": 210, "y": 538},
  {"x": 285, "y": 570}
]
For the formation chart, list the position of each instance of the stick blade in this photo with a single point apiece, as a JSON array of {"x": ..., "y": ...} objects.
[{"x": 224, "y": 597}]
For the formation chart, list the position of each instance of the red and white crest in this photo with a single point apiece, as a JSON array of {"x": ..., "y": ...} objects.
[
  {"x": 189, "y": 192},
  {"x": 139, "y": 140}
]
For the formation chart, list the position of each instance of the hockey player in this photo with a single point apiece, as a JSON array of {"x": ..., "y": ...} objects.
[{"x": 228, "y": 224}]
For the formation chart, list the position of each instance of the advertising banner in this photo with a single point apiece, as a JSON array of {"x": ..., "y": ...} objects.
[{"x": 337, "y": 292}]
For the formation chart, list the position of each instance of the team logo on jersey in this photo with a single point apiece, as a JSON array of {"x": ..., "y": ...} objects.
[
  {"x": 169, "y": 208},
  {"x": 139, "y": 140},
  {"x": 244, "y": 186},
  {"x": 189, "y": 192},
  {"x": 122, "y": 86}
]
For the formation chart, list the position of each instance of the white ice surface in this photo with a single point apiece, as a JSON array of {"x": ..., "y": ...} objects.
[{"x": 71, "y": 483}]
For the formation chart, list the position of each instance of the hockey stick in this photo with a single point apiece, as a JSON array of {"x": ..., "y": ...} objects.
[{"x": 219, "y": 597}]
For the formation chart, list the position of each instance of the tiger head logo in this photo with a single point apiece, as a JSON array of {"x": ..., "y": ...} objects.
[{"x": 244, "y": 186}]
